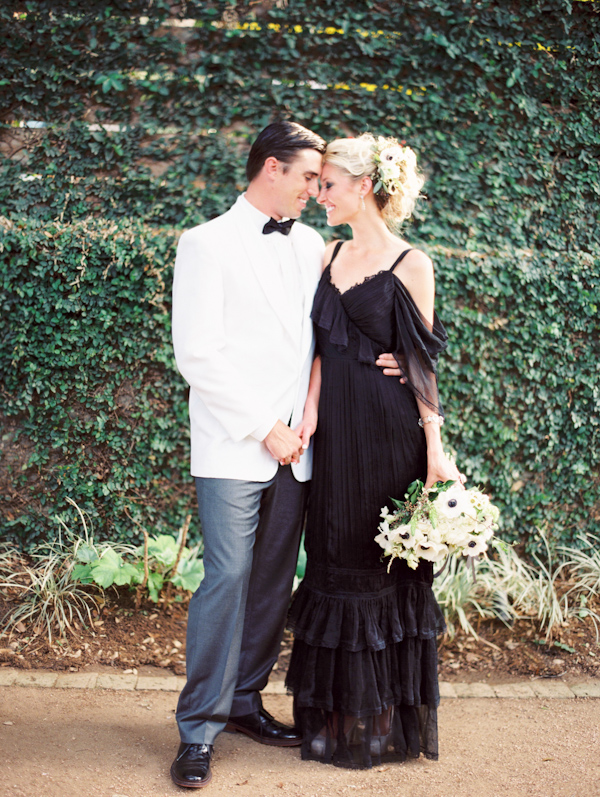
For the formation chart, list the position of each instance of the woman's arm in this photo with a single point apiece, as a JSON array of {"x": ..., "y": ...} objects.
[
  {"x": 439, "y": 467},
  {"x": 308, "y": 424},
  {"x": 416, "y": 273}
]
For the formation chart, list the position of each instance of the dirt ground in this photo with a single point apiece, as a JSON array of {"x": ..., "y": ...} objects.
[
  {"x": 75, "y": 743},
  {"x": 124, "y": 639}
]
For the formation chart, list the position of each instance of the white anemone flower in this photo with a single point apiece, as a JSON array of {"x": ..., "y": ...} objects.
[
  {"x": 475, "y": 546},
  {"x": 406, "y": 537},
  {"x": 390, "y": 154},
  {"x": 432, "y": 551},
  {"x": 384, "y": 541},
  {"x": 455, "y": 534},
  {"x": 389, "y": 170},
  {"x": 454, "y": 502}
]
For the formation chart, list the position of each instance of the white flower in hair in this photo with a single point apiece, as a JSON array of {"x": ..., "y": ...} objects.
[
  {"x": 389, "y": 170},
  {"x": 388, "y": 159},
  {"x": 391, "y": 154}
]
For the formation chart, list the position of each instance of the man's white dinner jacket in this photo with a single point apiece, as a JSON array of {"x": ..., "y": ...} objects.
[{"x": 235, "y": 344}]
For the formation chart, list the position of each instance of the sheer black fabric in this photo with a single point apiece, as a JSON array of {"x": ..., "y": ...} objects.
[{"x": 364, "y": 665}]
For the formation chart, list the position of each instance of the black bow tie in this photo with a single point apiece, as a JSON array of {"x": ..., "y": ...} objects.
[{"x": 283, "y": 227}]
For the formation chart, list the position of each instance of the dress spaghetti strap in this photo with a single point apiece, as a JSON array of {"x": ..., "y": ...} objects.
[
  {"x": 338, "y": 246},
  {"x": 399, "y": 258}
]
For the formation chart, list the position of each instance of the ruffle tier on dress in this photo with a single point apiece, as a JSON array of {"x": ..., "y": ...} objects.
[{"x": 363, "y": 659}]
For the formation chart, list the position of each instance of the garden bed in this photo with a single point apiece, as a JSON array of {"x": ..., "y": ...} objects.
[{"x": 126, "y": 639}]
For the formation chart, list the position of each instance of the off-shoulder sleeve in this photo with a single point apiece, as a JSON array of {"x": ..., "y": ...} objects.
[{"x": 419, "y": 346}]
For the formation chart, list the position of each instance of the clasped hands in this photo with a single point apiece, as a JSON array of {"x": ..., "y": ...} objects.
[{"x": 287, "y": 445}]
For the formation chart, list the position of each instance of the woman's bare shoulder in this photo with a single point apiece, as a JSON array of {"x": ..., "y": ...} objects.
[
  {"x": 415, "y": 270},
  {"x": 416, "y": 263}
]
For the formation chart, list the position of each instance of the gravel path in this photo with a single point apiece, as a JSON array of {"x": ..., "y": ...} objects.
[{"x": 119, "y": 743}]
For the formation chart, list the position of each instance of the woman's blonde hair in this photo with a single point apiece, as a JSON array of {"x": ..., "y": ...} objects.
[{"x": 360, "y": 157}]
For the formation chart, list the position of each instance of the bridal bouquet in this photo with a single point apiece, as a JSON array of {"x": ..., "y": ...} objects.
[{"x": 432, "y": 524}]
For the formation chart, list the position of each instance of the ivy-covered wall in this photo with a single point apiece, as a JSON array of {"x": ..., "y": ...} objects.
[{"x": 124, "y": 124}]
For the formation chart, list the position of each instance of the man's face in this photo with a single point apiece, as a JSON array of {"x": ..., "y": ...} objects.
[{"x": 295, "y": 182}]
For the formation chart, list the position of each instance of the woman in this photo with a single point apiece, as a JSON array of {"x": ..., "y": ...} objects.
[{"x": 364, "y": 665}]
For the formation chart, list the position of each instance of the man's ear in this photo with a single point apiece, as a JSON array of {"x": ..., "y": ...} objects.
[{"x": 271, "y": 167}]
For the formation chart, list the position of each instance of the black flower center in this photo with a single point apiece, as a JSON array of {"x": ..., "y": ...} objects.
[
  {"x": 405, "y": 536},
  {"x": 472, "y": 544},
  {"x": 452, "y": 503}
]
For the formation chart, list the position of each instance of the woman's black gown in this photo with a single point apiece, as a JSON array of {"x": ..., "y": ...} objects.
[{"x": 365, "y": 639}]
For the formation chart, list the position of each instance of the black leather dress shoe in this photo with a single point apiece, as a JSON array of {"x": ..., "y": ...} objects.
[
  {"x": 191, "y": 768},
  {"x": 261, "y": 727}
]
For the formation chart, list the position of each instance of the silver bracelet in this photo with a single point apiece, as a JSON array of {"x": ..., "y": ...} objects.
[{"x": 439, "y": 419}]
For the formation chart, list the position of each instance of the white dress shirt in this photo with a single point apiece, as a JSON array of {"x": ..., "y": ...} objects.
[{"x": 284, "y": 266}]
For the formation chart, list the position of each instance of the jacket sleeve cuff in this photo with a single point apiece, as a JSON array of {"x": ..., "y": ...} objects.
[{"x": 263, "y": 430}]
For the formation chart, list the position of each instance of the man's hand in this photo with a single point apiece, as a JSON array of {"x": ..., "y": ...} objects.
[
  {"x": 283, "y": 444},
  {"x": 391, "y": 367}
]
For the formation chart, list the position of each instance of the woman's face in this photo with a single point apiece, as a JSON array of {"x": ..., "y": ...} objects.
[{"x": 340, "y": 195}]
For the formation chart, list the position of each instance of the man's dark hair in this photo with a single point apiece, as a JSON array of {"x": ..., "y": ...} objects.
[{"x": 281, "y": 140}]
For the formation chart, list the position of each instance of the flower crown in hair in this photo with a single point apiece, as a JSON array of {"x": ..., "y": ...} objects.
[{"x": 388, "y": 159}]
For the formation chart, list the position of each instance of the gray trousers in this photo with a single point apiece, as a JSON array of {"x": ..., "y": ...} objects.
[{"x": 236, "y": 618}]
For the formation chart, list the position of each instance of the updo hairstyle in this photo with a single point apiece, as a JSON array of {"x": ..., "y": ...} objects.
[{"x": 359, "y": 157}]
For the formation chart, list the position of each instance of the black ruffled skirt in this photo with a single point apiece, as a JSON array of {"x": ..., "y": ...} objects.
[{"x": 364, "y": 665}]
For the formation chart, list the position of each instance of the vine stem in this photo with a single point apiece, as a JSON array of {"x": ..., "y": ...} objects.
[
  {"x": 184, "y": 533},
  {"x": 141, "y": 587}
]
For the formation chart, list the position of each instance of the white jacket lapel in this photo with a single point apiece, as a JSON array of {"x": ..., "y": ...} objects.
[
  {"x": 260, "y": 260},
  {"x": 310, "y": 268}
]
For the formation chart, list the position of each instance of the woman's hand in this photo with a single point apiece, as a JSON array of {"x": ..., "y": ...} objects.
[
  {"x": 307, "y": 426},
  {"x": 441, "y": 469}
]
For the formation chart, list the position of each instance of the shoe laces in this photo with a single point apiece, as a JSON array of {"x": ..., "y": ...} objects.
[{"x": 197, "y": 752}]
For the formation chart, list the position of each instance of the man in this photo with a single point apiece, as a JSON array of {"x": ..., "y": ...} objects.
[{"x": 242, "y": 334}]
